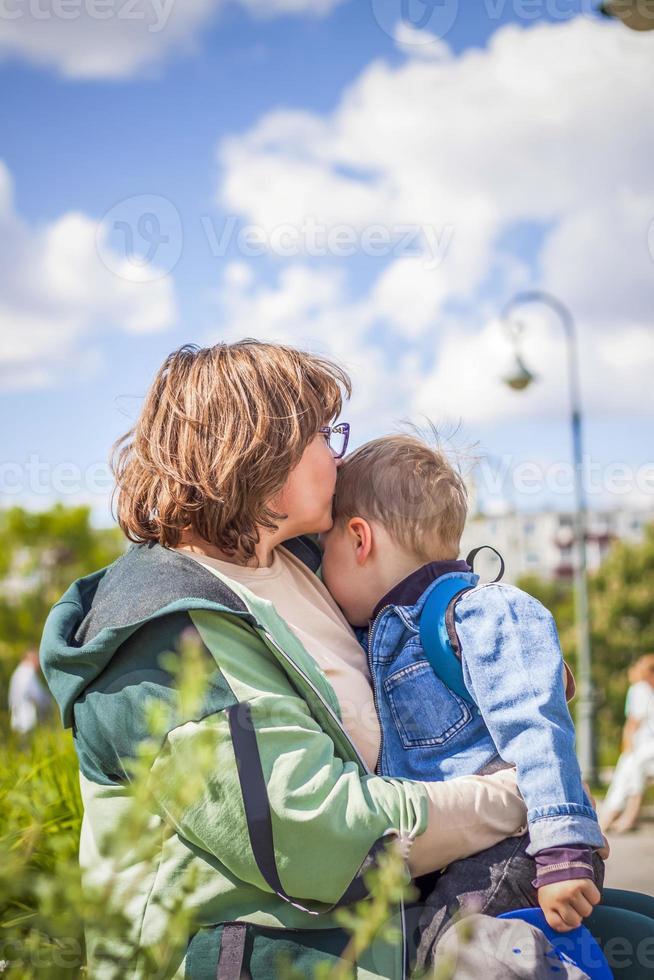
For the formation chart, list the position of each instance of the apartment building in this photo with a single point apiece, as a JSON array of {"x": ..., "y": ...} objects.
[{"x": 542, "y": 543}]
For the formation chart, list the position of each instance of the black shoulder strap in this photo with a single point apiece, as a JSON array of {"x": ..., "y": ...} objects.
[
  {"x": 307, "y": 549},
  {"x": 449, "y": 613},
  {"x": 257, "y": 813},
  {"x": 475, "y": 551}
]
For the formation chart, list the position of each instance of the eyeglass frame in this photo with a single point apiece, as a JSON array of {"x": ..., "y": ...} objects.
[{"x": 326, "y": 430}]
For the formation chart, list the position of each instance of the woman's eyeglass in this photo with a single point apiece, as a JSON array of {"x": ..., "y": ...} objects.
[{"x": 337, "y": 437}]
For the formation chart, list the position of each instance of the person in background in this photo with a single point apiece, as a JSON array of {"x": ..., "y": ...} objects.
[
  {"x": 636, "y": 764},
  {"x": 29, "y": 701}
]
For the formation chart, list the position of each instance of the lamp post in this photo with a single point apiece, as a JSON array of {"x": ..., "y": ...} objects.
[
  {"x": 636, "y": 14},
  {"x": 519, "y": 379}
]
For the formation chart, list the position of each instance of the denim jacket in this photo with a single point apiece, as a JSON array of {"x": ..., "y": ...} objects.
[{"x": 513, "y": 668}]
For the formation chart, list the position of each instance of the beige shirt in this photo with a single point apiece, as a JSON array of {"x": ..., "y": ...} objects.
[
  {"x": 466, "y": 815},
  {"x": 304, "y": 603}
]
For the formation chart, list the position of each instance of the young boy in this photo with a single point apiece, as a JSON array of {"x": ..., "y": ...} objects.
[{"x": 399, "y": 512}]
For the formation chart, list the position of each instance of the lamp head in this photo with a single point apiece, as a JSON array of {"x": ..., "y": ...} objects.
[
  {"x": 519, "y": 377},
  {"x": 635, "y": 14}
]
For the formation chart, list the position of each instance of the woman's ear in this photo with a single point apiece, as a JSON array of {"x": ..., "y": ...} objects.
[{"x": 361, "y": 538}]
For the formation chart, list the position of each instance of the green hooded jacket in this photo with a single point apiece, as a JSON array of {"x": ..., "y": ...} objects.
[{"x": 290, "y": 819}]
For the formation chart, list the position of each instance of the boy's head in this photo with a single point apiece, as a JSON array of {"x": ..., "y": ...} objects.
[{"x": 399, "y": 504}]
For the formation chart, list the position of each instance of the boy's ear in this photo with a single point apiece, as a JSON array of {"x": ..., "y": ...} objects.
[{"x": 361, "y": 537}]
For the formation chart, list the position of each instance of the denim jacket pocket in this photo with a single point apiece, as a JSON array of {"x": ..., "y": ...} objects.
[{"x": 424, "y": 710}]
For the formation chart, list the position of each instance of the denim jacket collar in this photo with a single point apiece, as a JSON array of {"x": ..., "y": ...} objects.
[{"x": 408, "y": 591}]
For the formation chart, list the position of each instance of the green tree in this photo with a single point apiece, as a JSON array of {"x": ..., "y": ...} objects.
[
  {"x": 622, "y": 622},
  {"x": 41, "y": 554},
  {"x": 622, "y": 606}
]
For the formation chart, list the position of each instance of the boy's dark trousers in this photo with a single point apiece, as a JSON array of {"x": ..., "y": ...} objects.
[{"x": 496, "y": 880}]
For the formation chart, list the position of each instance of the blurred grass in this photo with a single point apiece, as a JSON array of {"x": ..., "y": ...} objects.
[{"x": 40, "y": 818}]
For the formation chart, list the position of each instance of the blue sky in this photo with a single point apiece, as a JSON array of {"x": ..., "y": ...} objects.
[{"x": 525, "y": 143}]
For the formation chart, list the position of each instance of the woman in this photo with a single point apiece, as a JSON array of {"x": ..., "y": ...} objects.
[
  {"x": 636, "y": 764},
  {"x": 227, "y": 467}
]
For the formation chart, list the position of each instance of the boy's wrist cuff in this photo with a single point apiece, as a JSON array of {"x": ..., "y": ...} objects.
[
  {"x": 564, "y": 825},
  {"x": 563, "y": 864}
]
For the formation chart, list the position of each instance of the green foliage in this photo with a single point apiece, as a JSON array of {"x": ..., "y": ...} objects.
[
  {"x": 41, "y": 930},
  {"x": 621, "y": 596},
  {"x": 622, "y": 606},
  {"x": 41, "y": 815},
  {"x": 45, "y": 910},
  {"x": 41, "y": 554},
  {"x": 367, "y": 920}
]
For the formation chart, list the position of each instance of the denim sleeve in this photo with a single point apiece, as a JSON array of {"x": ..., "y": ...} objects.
[{"x": 513, "y": 667}]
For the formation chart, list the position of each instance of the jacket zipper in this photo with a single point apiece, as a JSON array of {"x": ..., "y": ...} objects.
[
  {"x": 372, "y": 679},
  {"x": 315, "y": 690}
]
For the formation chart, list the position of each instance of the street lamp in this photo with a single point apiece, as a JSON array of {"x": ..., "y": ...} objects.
[
  {"x": 519, "y": 379},
  {"x": 636, "y": 14}
]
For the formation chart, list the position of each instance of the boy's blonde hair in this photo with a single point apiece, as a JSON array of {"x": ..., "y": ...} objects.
[{"x": 408, "y": 487}]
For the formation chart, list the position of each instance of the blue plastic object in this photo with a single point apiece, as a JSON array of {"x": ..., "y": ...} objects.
[
  {"x": 434, "y": 637},
  {"x": 578, "y": 947}
]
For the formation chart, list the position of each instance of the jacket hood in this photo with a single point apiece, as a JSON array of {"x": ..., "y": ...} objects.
[
  {"x": 67, "y": 666},
  {"x": 97, "y": 613}
]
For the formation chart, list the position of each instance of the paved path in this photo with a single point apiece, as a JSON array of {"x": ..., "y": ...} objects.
[{"x": 631, "y": 864}]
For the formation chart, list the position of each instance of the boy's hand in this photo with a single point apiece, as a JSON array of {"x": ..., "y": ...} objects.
[{"x": 567, "y": 903}]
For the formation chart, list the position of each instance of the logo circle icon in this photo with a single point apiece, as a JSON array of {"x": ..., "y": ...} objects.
[
  {"x": 422, "y": 20},
  {"x": 140, "y": 238}
]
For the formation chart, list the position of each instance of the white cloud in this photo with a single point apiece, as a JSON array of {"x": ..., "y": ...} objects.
[
  {"x": 408, "y": 295},
  {"x": 507, "y": 133},
  {"x": 304, "y": 306},
  {"x": 547, "y": 127},
  {"x": 467, "y": 378},
  {"x": 419, "y": 43},
  {"x": 119, "y": 38},
  {"x": 312, "y": 309},
  {"x": 600, "y": 255},
  {"x": 56, "y": 291}
]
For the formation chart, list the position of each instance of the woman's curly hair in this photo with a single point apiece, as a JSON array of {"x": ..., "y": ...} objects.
[{"x": 220, "y": 430}]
